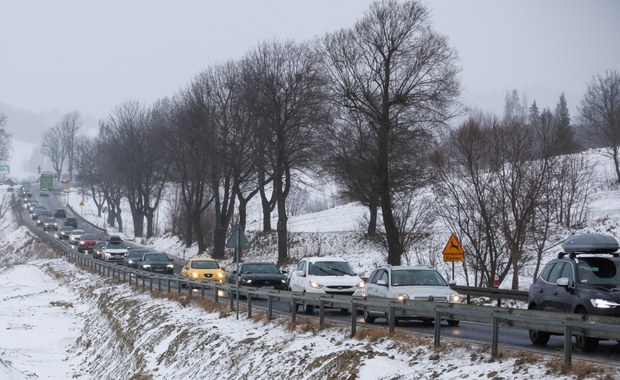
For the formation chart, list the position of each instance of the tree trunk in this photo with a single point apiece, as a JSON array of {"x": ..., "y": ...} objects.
[
  {"x": 219, "y": 242},
  {"x": 282, "y": 230}
]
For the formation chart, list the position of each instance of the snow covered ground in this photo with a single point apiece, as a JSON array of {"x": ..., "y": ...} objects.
[{"x": 58, "y": 321}]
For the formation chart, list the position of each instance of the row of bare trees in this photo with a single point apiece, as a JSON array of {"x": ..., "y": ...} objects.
[
  {"x": 364, "y": 106},
  {"x": 59, "y": 143},
  {"x": 5, "y": 139}
]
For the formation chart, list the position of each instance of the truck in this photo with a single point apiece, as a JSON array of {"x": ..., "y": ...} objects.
[{"x": 47, "y": 181}]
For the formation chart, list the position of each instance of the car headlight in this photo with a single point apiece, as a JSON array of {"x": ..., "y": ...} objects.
[
  {"x": 130, "y": 261},
  {"x": 402, "y": 296},
  {"x": 246, "y": 281},
  {"x": 455, "y": 298},
  {"x": 360, "y": 285},
  {"x": 194, "y": 275},
  {"x": 170, "y": 265},
  {"x": 146, "y": 266},
  {"x": 316, "y": 285},
  {"x": 220, "y": 275},
  {"x": 283, "y": 281},
  {"x": 604, "y": 304}
]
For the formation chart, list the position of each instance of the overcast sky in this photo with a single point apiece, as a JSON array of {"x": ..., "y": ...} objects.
[{"x": 90, "y": 56}]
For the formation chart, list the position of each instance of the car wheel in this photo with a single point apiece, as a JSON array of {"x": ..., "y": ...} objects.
[
  {"x": 585, "y": 343},
  {"x": 539, "y": 338},
  {"x": 368, "y": 318},
  {"x": 453, "y": 323},
  {"x": 309, "y": 309}
]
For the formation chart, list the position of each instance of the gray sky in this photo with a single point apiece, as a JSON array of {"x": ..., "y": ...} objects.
[{"x": 90, "y": 56}]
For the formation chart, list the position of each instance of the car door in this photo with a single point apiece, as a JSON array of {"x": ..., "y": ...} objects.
[
  {"x": 563, "y": 295},
  {"x": 298, "y": 276},
  {"x": 550, "y": 288}
]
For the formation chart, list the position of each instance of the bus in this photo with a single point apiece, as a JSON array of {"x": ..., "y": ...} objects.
[{"x": 47, "y": 181}]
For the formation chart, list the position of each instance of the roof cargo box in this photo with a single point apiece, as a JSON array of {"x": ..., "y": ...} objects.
[{"x": 590, "y": 243}]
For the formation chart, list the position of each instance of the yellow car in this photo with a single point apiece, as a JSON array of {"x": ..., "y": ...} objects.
[{"x": 203, "y": 269}]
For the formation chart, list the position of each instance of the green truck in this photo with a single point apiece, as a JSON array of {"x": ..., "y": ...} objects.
[{"x": 47, "y": 181}]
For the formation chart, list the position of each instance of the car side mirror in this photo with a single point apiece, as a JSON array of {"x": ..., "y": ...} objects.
[
  {"x": 452, "y": 283},
  {"x": 563, "y": 281},
  {"x": 283, "y": 271},
  {"x": 382, "y": 282},
  {"x": 300, "y": 273}
]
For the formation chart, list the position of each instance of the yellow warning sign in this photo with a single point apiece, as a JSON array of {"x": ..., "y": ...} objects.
[
  {"x": 453, "y": 250},
  {"x": 82, "y": 203}
]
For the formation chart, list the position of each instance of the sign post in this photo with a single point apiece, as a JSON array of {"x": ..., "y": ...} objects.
[
  {"x": 237, "y": 241},
  {"x": 453, "y": 251}
]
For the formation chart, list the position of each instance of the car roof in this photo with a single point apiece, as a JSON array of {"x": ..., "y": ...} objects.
[
  {"x": 79, "y": 231},
  {"x": 406, "y": 267},
  {"x": 323, "y": 258}
]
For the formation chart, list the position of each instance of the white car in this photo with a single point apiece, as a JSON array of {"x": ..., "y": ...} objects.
[
  {"x": 324, "y": 275},
  {"x": 404, "y": 283},
  {"x": 115, "y": 250},
  {"x": 74, "y": 236}
]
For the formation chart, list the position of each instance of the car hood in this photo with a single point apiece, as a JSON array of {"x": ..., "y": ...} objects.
[
  {"x": 611, "y": 292},
  {"x": 424, "y": 291},
  {"x": 336, "y": 280},
  {"x": 116, "y": 250}
]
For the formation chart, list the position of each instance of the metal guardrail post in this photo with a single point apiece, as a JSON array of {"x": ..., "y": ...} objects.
[
  {"x": 269, "y": 306},
  {"x": 151, "y": 284},
  {"x": 392, "y": 319},
  {"x": 495, "y": 337},
  {"x": 216, "y": 294},
  {"x": 130, "y": 280},
  {"x": 568, "y": 346},
  {"x": 249, "y": 301},
  {"x": 499, "y": 302},
  {"x": 437, "y": 330},
  {"x": 293, "y": 310},
  {"x": 170, "y": 285},
  {"x": 231, "y": 301},
  {"x": 353, "y": 319},
  {"x": 321, "y": 313},
  {"x": 202, "y": 291}
]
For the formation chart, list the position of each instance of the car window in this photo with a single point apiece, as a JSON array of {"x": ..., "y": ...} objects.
[
  {"x": 545, "y": 273},
  {"x": 556, "y": 272},
  {"x": 301, "y": 266},
  {"x": 599, "y": 272},
  {"x": 417, "y": 277},
  {"x": 330, "y": 268},
  {"x": 567, "y": 272},
  {"x": 373, "y": 277},
  {"x": 205, "y": 264},
  {"x": 116, "y": 245},
  {"x": 260, "y": 268},
  {"x": 155, "y": 257}
]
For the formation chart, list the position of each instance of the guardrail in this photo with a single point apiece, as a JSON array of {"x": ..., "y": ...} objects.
[
  {"x": 565, "y": 324},
  {"x": 494, "y": 293}
]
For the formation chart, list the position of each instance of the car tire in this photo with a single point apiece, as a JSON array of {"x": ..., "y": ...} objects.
[
  {"x": 538, "y": 338},
  {"x": 453, "y": 322},
  {"x": 368, "y": 318},
  {"x": 309, "y": 309},
  {"x": 585, "y": 343}
]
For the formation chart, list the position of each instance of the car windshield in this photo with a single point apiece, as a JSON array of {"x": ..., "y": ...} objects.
[
  {"x": 156, "y": 257},
  {"x": 204, "y": 264},
  {"x": 417, "y": 277},
  {"x": 116, "y": 245},
  {"x": 52, "y": 220},
  {"x": 260, "y": 268},
  {"x": 599, "y": 271},
  {"x": 67, "y": 228},
  {"x": 136, "y": 253},
  {"x": 330, "y": 268},
  {"x": 89, "y": 237},
  {"x": 78, "y": 232}
]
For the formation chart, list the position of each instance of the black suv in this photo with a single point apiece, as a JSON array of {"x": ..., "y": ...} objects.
[
  {"x": 584, "y": 279},
  {"x": 70, "y": 222}
]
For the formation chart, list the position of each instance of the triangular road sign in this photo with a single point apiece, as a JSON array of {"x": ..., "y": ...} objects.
[{"x": 453, "y": 246}]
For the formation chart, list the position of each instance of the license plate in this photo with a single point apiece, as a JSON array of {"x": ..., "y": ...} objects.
[{"x": 268, "y": 287}]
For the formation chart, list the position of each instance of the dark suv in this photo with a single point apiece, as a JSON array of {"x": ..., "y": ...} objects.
[
  {"x": 584, "y": 279},
  {"x": 71, "y": 222}
]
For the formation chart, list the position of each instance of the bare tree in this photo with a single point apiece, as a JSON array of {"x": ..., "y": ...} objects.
[
  {"x": 5, "y": 139},
  {"x": 70, "y": 125},
  {"x": 284, "y": 92},
  {"x": 393, "y": 69},
  {"x": 600, "y": 114},
  {"x": 53, "y": 146}
]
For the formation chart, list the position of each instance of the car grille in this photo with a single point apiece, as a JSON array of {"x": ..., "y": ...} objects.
[
  {"x": 431, "y": 298},
  {"x": 208, "y": 275}
]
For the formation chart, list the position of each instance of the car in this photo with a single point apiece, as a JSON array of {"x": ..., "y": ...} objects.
[
  {"x": 71, "y": 222},
  {"x": 204, "y": 269},
  {"x": 42, "y": 215},
  {"x": 583, "y": 279},
  {"x": 156, "y": 262},
  {"x": 75, "y": 235},
  {"x": 324, "y": 275},
  {"x": 60, "y": 213},
  {"x": 50, "y": 224},
  {"x": 407, "y": 283},
  {"x": 44, "y": 193},
  {"x": 98, "y": 250},
  {"x": 87, "y": 243},
  {"x": 31, "y": 203},
  {"x": 133, "y": 255},
  {"x": 64, "y": 232},
  {"x": 36, "y": 210},
  {"x": 115, "y": 251},
  {"x": 259, "y": 275}
]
